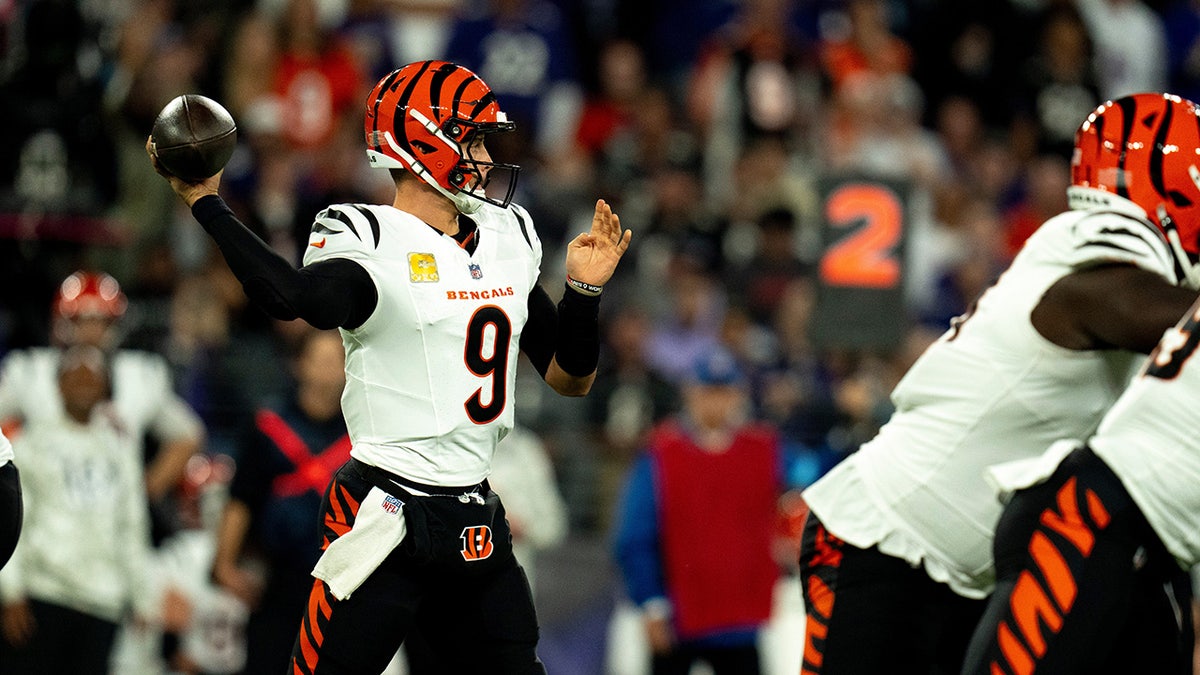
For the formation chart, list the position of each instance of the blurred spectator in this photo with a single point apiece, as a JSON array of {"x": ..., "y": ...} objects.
[
  {"x": 316, "y": 79},
  {"x": 522, "y": 471},
  {"x": 58, "y": 151},
  {"x": 524, "y": 51},
  {"x": 284, "y": 466},
  {"x": 696, "y": 305},
  {"x": 1181, "y": 19},
  {"x": 966, "y": 50},
  {"x": 758, "y": 77},
  {"x": 859, "y": 40},
  {"x": 708, "y": 476},
  {"x": 1131, "y": 46},
  {"x": 83, "y": 559},
  {"x": 759, "y": 283},
  {"x": 1046, "y": 182},
  {"x": 1057, "y": 86}
]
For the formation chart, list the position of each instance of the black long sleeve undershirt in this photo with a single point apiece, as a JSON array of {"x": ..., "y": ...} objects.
[
  {"x": 328, "y": 294},
  {"x": 570, "y": 334},
  {"x": 340, "y": 293}
]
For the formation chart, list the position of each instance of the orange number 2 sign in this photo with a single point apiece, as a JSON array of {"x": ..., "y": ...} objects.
[{"x": 867, "y": 258}]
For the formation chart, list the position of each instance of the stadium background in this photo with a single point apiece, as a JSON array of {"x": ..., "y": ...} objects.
[{"x": 723, "y": 132}]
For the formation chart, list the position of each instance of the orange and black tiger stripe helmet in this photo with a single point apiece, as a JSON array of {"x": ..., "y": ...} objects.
[
  {"x": 424, "y": 117},
  {"x": 1145, "y": 149}
]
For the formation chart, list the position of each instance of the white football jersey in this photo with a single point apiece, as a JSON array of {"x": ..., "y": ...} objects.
[
  {"x": 6, "y": 451},
  {"x": 991, "y": 389},
  {"x": 1148, "y": 442},
  {"x": 143, "y": 396},
  {"x": 429, "y": 375}
]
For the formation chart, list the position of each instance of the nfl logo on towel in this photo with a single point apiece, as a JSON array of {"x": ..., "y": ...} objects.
[
  {"x": 391, "y": 504},
  {"x": 476, "y": 273}
]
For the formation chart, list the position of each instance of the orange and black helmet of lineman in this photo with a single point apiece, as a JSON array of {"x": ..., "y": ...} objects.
[
  {"x": 1144, "y": 150},
  {"x": 89, "y": 294},
  {"x": 424, "y": 117}
]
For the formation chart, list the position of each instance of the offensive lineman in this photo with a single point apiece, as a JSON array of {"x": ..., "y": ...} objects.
[
  {"x": 433, "y": 295},
  {"x": 1093, "y": 525},
  {"x": 896, "y": 555}
]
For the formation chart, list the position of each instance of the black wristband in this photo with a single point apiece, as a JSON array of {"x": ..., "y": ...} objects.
[{"x": 578, "y": 346}]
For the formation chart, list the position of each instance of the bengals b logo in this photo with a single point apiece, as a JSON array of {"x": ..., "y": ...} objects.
[{"x": 477, "y": 542}]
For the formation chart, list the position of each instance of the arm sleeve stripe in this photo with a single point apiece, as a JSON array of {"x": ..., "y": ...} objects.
[
  {"x": 371, "y": 220},
  {"x": 345, "y": 219}
]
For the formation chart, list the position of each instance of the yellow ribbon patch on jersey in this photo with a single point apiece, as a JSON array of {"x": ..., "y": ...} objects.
[{"x": 422, "y": 268}]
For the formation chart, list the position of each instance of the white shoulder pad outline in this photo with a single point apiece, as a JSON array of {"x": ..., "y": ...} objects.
[{"x": 343, "y": 230}]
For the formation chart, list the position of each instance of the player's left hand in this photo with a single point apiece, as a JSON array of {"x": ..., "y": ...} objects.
[{"x": 592, "y": 257}]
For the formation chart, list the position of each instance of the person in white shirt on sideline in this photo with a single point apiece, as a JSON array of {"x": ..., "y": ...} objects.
[{"x": 82, "y": 562}]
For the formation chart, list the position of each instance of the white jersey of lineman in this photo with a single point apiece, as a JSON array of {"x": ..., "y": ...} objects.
[
  {"x": 6, "y": 451},
  {"x": 991, "y": 389},
  {"x": 429, "y": 376},
  {"x": 143, "y": 396},
  {"x": 1147, "y": 441}
]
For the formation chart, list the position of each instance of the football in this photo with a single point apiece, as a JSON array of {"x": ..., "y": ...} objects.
[{"x": 193, "y": 137}]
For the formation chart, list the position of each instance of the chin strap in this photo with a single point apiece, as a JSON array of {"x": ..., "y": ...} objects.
[{"x": 1188, "y": 269}]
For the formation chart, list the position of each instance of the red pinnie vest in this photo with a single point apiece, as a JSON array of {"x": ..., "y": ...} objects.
[{"x": 717, "y": 511}]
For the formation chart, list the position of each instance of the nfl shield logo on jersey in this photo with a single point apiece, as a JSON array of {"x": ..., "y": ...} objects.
[{"x": 476, "y": 272}]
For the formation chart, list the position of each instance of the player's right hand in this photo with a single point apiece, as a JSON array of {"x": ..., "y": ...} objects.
[{"x": 188, "y": 192}]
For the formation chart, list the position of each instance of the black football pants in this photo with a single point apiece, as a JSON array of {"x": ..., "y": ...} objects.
[
  {"x": 871, "y": 613},
  {"x": 473, "y": 621},
  {"x": 1084, "y": 585}
]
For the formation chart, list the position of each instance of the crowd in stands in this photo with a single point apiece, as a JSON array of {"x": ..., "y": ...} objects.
[{"x": 718, "y": 129}]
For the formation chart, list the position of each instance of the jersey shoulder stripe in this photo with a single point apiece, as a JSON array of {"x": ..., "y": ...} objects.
[
  {"x": 372, "y": 220},
  {"x": 1106, "y": 235},
  {"x": 517, "y": 211},
  {"x": 339, "y": 216}
]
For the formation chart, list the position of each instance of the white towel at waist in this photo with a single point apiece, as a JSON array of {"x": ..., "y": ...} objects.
[{"x": 378, "y": 529}]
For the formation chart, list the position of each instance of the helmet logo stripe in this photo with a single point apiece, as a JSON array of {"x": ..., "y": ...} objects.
[
  {"x": 1156, "y": 157},
  {"x": 1129, "y": 111}
]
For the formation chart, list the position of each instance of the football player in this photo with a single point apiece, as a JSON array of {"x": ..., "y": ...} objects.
[
  {"x": 896, "y": 556},
  {"x": 434, "y": 294},
  {"x": 1096, "y": 528},
  {"x": 86, "y": 311}
]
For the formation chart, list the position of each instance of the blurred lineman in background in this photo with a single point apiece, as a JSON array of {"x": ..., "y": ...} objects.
[
  {"x": 1093, "y": 529},
  {"x": 895, "y": 559}
]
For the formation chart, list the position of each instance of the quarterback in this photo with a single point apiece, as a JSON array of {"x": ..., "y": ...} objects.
[
  {"x": 896, "y": 557},
  {"x": 434, "y": 295}
]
